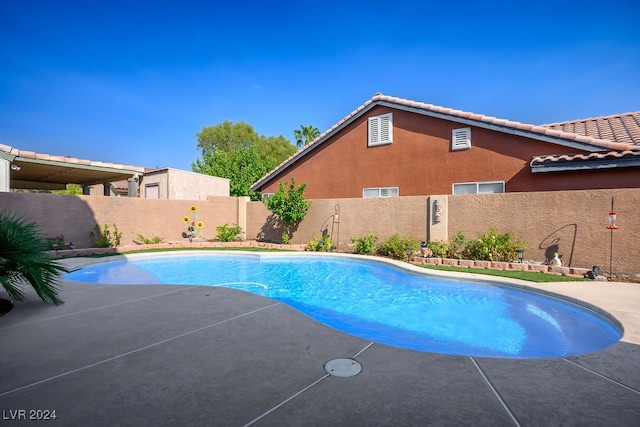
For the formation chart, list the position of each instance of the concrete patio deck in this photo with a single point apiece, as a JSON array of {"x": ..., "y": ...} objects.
[{"x": 190, "y": 355}]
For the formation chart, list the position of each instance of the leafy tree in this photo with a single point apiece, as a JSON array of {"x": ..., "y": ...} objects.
[
  {"x": 236, "y": 151},
  {"x": 23, "y": 260},
  {"x": 242, "y": 166},
  {"x": 290, "y": 206},
  {"x": 226, "y": 136},
  {"x": 273, "y": 150},
  {"x": 72, "y": 189},
  {"x": 305, "y": 135}
]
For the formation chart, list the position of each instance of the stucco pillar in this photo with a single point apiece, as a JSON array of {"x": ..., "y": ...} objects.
[
  {"x": 242, "y": 212},
  {"x": 5, "y": 167},
  {"x": 438, "y": 218}
]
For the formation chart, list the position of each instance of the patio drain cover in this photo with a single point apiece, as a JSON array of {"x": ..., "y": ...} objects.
[{"x": 343, "y": 367}]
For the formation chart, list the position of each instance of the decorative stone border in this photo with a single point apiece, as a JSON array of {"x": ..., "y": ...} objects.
[{"x": 495, "y": 265}]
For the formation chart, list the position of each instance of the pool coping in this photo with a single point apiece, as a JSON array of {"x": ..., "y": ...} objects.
[{"x": 619, "y": 302}]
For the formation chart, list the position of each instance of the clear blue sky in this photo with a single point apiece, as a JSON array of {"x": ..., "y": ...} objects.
[{"x": 131, "y": 82}]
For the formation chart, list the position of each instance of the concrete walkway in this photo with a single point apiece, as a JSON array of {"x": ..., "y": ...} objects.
[{"x": 187, "y": 355}]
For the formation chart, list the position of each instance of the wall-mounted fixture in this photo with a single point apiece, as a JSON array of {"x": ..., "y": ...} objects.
[
  {"x": 437, "y": 211},
  {"x": 15, "y": 168},
  {"x": 612, "y": 226}
]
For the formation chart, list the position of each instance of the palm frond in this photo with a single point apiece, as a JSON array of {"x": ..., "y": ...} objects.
[{"x": 23, "y": 260}]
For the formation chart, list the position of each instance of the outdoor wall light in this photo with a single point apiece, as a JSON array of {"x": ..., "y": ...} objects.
[
  {"x": 520, "y": 253},
  {"x": 408, "y": 249},
  {"x": 15, "y": 168}
]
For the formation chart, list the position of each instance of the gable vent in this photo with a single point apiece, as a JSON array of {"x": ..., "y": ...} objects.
[
  {"x": 461, "y": 139},
  {"x": 381, "y": 129}
]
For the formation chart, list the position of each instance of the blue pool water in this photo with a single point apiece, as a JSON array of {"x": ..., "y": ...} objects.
[{"x": 383, "y": 303}]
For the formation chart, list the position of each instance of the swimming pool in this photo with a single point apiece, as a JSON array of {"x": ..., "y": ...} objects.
[{"x": 384, "y": 303}]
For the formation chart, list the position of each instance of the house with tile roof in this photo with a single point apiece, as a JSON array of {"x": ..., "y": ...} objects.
[{"x": 396, "y": 147}]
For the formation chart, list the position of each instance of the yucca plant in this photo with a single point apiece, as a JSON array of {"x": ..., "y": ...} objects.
[{"x": 23, "y": 260}]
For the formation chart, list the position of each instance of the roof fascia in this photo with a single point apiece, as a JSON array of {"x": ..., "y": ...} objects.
[{"x": 70, "y": 165}]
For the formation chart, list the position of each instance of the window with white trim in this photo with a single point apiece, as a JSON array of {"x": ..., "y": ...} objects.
[
  {"x": 265, "y": 196},
  {"x": 380, "y": 192},
  {"x": 380, "y": 130},
  {"x": 461, "y": 139},
  {"x": 488, "y": 187}
]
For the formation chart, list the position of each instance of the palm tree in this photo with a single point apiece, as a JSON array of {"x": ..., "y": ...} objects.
[
  {"x": 23, "y": 260},
  {"x": 305, "y": 135}
]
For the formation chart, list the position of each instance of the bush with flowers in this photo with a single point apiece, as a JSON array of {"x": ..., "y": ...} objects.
[{"x": 57, "y": 243}]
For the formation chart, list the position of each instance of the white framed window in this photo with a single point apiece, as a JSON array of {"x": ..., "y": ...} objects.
[
  {"x": 380, "y": 130},
  {"x": 488, "y": 187},
  {"x": 380, "y": 192},
  {"x": 461, "y": 139},
  {"x": 265, "y": 196}
]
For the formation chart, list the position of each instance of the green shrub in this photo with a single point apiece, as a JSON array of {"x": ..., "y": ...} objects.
[
  {"x": 395, "y": 246},
  {"x": 323, "y": 244},
  {"x": 456, "y": 246},
  {"x": 228, "y": 233},
  {"x": 492, "y": 246},
  {"x": 153, "y": 241},
  {"x": 439, "y": 248},
  {"x": 365, "y": 245},
  {"x": 105, "y": 238}
]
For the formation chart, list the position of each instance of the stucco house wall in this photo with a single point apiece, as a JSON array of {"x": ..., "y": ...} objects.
[
  {"x": 420, "y": 159},
  {"x": 175, "y": 184}
]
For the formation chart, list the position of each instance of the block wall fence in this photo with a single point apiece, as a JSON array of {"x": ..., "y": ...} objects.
[{"x": 572, "y": 223}]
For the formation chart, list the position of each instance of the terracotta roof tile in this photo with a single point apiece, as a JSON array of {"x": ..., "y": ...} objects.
[
  {"x": 621, "y": 128},
  {"x": 604, "y": 155}
]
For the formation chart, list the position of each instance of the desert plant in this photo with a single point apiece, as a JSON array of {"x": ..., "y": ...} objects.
[
  {"x": 439, "y": 248},
  {"x": 105, "y": 238},
  {"x": 144, "y": 241},
  {"x": 23, "y": 260},
  {"x": 365, "y": 245},
  {"x": 493, "y": 246},
  {"x": 396, "y": 246},
  {"x": 228, "y": 233},
  {"x": 323, "y": 244},
  {"x": 290, "y": 206}
]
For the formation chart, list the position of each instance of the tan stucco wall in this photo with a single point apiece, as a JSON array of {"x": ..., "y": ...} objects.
[
  {"x": 571, "y": 222},
  {"x": 383, "y": 216},
  {"x": 75, "y": 216}
]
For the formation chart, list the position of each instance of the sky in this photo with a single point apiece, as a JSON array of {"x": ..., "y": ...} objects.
[{"x": 132, "y": 82}]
